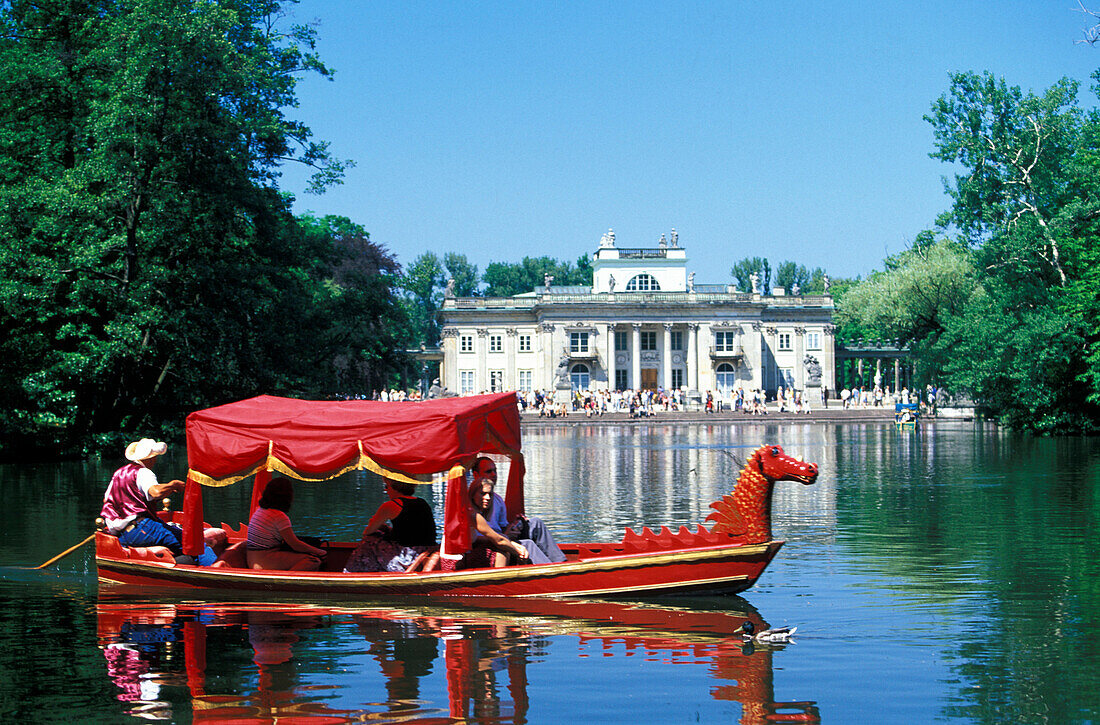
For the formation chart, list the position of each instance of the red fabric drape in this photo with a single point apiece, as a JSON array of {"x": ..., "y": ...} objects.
[
  {"x": 456, "y": 519},
  {"x": 193, "y": 543},
  {"x": 263, "y": 476},
  {"x": 513, "y": 497}
]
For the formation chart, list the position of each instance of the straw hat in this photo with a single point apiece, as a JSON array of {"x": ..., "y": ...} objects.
[{"x": 145, "y": 449}]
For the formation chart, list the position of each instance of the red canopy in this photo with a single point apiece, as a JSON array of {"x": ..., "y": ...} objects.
[{"x": 314, "y": 440}]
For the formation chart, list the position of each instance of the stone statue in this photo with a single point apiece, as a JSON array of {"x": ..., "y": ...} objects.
[
  {"x": 826, "y": 279},
  {"x": 450, "y": 291},
  {"x": 663, "y": 244},
  {"x": 813, "y": 371},
  {"x": 795, "y": 289},
  {"x": 754, "y": 279},
  {"x": 675, "y": 238},
  {"x": 437, "y": 391},
  {"x": 546, "y": 280},
  {"x": 611, "y": 282},
  {"x": 691, "y": 282}
]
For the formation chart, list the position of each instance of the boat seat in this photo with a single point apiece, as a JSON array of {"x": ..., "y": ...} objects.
[{"x": 234, "y": 557}]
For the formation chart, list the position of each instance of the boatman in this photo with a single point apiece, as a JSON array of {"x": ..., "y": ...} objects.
[
  {"x": 128, "y": 503},
  {"x": 523, "y": 528}
]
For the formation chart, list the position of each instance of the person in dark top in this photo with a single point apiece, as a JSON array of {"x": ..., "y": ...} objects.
[{"x": 397, "y": 534}]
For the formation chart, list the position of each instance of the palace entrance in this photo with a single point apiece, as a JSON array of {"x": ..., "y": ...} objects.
[{"x": 649, "y": 379}]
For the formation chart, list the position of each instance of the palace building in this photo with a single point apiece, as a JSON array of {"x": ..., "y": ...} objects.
[{"x": 643, "y": 324}]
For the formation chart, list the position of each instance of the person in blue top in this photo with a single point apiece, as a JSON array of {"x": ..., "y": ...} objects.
[{"x": 527, "y": 530}]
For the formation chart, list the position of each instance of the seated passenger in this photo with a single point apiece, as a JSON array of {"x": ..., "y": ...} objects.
[
  {"x": 490, "y": 547},
  {"x": 526, "y": 529},
  {"x": 397, "y": 534},
  {"x": 272, "y": 543}
]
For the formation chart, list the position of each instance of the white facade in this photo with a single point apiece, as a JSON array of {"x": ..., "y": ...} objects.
[{"x": 644, "y": 324}]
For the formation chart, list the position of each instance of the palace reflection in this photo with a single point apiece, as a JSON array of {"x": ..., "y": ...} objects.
[{"x": 438, "y": 662}]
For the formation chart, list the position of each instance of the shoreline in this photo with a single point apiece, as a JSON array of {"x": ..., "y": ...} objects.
[{"x": 822, "y": 415}]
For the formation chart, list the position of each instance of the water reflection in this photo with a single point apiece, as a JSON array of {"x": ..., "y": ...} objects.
[{"x": 469, "y": 661}]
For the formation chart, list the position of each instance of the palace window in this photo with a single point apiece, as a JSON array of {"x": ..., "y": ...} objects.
[
  {"x": 466, "y": 381},
  {"x": 786, "y": 377},
  {"x": 622, "y": 341},
  {"x": 622, "y": 380},
  {"x": 643, "y": 283},
  {"x": 525, "y": 344},
  {"x": 726, "y": 377},
  {"x": 785, "y": 341},
  {"x": 579, "y": 377},
  {"x": 496, "y": 343},
  {"x": 466, "y": 343},
  {"x": 813, "y": 340},
  {"x": 578, "y": 342},
  {"x": 676, "y": 338},
  {"x": 725, "y": 341},
  {"x": 649, "y": 340},
  {"x": 677, "y": 378},
  {"x": 496, "y": 381},
  {"x": 525, "y": 379}
]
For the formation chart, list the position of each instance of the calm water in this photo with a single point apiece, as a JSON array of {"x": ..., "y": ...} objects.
[{"x": 946, "y": 575}]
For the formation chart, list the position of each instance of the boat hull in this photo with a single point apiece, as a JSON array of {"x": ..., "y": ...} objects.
[{"x": 723, "y": 569}]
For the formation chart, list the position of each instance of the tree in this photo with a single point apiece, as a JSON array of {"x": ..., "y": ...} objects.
[
  {"x": 743, "y": 270},
  {"x": 1028, "y": 200},
  {"x": 147, "y": 257},
  {"x": 422, "y": 284},
  {"x": 788, "y": 274},
  {"x": 504, "y": 279},
  {"x": 458, "y": 268}
]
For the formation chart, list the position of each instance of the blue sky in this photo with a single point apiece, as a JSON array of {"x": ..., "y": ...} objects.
[{"x": 788, "y": 130}]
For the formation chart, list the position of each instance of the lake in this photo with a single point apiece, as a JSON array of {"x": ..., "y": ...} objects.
[{"x": 945, "y": 575}]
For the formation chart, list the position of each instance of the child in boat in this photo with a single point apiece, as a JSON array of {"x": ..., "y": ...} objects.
[
  {"x": 399, "y": 532},
  {"x": 272, "y": 543}
]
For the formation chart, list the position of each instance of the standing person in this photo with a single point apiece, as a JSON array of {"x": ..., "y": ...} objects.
[
  {"x": 400, "y": 531},
  {"x": 272, "y": 543},
  {"x": 522, "y": 527},
  {"x": 128, "y": 503}
]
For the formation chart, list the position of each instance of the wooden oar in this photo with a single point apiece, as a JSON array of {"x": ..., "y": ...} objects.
[{"x": 65, "y": 553}]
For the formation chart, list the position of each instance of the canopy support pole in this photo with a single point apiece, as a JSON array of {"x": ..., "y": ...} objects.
[{"x": 193, "y": 542}]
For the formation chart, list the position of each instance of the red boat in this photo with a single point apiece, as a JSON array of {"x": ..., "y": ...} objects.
[{"x": 412, "y": 441}]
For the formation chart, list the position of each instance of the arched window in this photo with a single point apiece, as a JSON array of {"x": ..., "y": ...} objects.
[
  {"x": 579, "y": 377},
  {"x": 643, "y": 283},
  {"x": 726, "y": 376}
]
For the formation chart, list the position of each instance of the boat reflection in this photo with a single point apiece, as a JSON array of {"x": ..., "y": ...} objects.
[{"x": 258, "y": 662}]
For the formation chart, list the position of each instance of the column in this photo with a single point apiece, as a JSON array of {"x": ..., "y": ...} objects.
[
  {"x": 609, "y": 356},
  {"x": 636, "y": 355},
  {"x": 693, "y": 356},
  {"x": 482, "y": 375},
  {"x": 897, "y": 375},
  {"x": 547, "y": 363},
  {"x": 510, "y": 381},
  {"x": 799, "y": 355},
  {"x": 448, "y": 369},
  {"x": 666, "y": 362}
]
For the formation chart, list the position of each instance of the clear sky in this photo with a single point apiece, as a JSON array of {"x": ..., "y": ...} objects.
[{"x": 789, "y": 130}]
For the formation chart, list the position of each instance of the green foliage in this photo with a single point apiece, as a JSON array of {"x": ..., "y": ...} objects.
[
  {"x": 504, "y": 279},
  {"x": 1023, "y": 341},
  {"x": 458, "y": 268},
  {"x": 422, "y": 285},
  {"x": 743, "y": 270},
  {"x": 148, "y": 264}
]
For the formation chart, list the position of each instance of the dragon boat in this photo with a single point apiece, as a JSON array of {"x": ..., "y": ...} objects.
[{"x": 414, "y": 441}]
